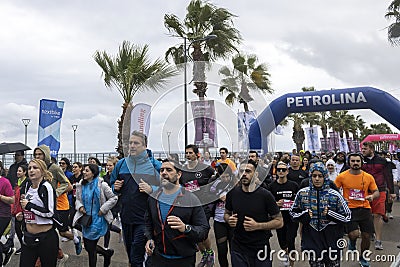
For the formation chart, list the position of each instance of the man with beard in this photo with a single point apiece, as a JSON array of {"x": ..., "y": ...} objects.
[
  {"x": 175, "y": 221},
  {"x": 356, "y": 185},
  {"x": 195, "y": 175},
  {"x": 296, "y": 174},
  {"x": 380, "y": 170},
  {"x": 340, "y": 162},
  {"x": 252, "y": 223}
]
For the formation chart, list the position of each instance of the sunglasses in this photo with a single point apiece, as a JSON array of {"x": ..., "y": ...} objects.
[
  {"x": 62, "y": 163},
  {"x": 281, "y": 169}
]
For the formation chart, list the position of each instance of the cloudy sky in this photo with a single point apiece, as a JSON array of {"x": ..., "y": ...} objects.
[{"x": 47, "y": 46}]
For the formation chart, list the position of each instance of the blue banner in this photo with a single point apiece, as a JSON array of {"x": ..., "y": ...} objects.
[{"x": 50, "y": 114}]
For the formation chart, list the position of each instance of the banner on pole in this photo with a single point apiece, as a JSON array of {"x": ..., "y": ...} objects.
[
  {"x": 312, "y": 138},
  {"x": 205, "y": 123},
  {"x": 343, "y": 145},
  {"x": 50, "y": 114},
  {"x": 140, "y": 118},
  {"x": 245, "y": 119}
]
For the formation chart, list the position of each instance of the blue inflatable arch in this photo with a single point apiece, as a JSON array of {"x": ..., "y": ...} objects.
[{"x": 377, "y": 100}]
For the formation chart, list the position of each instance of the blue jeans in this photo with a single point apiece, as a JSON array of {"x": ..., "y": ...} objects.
[
  {"x": 135, "y": 242},
  {"x": 243, "y": 260}
]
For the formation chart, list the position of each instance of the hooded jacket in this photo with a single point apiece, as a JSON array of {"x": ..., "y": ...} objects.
[
  {"x": 321, "y": 231},
  {"x": 316, "y": 199},
  {"x": 131, "y": 169},
  {"x": 60, "y": 182}
]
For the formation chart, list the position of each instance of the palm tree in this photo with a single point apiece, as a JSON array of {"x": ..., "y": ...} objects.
[
  {"x": 298, "y": 136},
  {"x": 202, "y": 19},
  {"x": 129, "y": 72},
  {"x": 246, "y": 74},
  {"x": 394, "y": 28}
]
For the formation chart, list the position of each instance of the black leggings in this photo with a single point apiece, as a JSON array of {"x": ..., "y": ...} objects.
[
  {"x": 47, "y": 250},
  {"x": 223, "y": 235},
  {"x": 18, "y": 230},
  {"x": 90, "y": 247},
  {"x": 111, "y": 227}
]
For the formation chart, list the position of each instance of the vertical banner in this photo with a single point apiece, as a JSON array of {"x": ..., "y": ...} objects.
[
  {"x": 50, "y": 113},
  {"x": 312, "y": 138},
  {"x": 245, "y": 119},
  {"x": 356, "y": 145},
  {"x": 350, "y": 143},
  {"x": 204, "y": 123},
  {"x": 140, "y": 118},
  {"x": 333, "y": 141},
  {"x": 324, "y": 144},
  {"x": 343, "y": 145}
]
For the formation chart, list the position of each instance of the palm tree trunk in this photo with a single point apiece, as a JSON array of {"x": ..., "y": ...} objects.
[
  {"x": 199, "y": 75},
  {"x": 124, "y": 125}
]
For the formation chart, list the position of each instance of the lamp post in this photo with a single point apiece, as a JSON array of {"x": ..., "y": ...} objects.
[
  {"x": 185, "y": 51},
  {"x": 169, "y": 146},
  {"x": 26, "y": 123},
  {"x": 74, "y": 127}
]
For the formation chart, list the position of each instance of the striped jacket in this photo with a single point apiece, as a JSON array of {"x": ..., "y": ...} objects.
[{"x": 311, "y": 198}]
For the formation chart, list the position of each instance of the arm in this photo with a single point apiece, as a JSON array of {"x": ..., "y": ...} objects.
[
  {"x": 199, "y": 225},
  {"x": 114, "y": 176},
  {"x": 251, "y": 225},
  {"x": 111, "y": 198},
  {"x": 78, "y": 201},
  {"x": 341, "y": 212},
  {"x": 297, "y": 211},
  {"x": 7, "y": 200},
  {"x": 60, "y": 178}
]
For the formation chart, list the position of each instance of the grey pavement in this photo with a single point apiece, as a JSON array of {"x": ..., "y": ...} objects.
[{"x": 391, "y": 237}]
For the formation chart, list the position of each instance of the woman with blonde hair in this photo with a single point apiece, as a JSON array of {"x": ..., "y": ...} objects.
[{"x": 38, "y": 201}]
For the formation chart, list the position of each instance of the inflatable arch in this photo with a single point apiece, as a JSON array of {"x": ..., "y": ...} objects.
[{"x": 377, "y": 100}]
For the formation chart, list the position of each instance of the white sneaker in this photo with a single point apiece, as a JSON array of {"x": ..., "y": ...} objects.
[
  {"x": 64, "y": 239},
  {"x": 389, "y": 215},
  {"x": 63, "y": 260}
]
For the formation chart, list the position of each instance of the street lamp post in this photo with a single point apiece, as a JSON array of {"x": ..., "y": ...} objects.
[
  {"x": 74, "y": 128},
  {"x": 26, "y": 123},
  {"x": 185, "y": 51},
  {"x": 169, "y": 145}
]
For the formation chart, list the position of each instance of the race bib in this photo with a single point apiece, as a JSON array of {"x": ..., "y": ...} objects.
[
  {"x": 192, "y": 186},
  {"x": 29, "y": 216},
  {"x": 356, "y": 194},
  {"x": 287, "y": 204}
]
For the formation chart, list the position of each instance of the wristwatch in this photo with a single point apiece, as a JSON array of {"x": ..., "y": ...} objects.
[{"x": 188, "y": 228}]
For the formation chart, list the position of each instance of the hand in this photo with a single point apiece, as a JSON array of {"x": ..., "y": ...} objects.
[
  {"x": 393, "y": 196},
  {"x": 280, "y": 203},
  {"x": 23, "y": 203},
  {"x": 232, "y": 221},
  {"x": 118, "y": 184},
  {"x": 310, "y": 213},
  {"x": 369, "y": 198},
  {"x": 19, "y": 216},
  {"x": 82, "y": 210},
  {"x": 222, "y": 198},
  {"x": 145, "y": 187},
  {"x": 149, "y": 247},
  {"x": 100, "y": 213},
  {"x": 250, "y": 224},
  {"x": 325, "y": 211},
  {"x": 176, "y": 223}
]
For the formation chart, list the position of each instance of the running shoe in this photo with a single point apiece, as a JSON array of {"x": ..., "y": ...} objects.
[
  {"x": 8, "y": 255},
  {"x": 378, "y": 245},
  {"x": 63, "y": 260},
  {"x": 78, "y": 246},
  {"x": 364, "y": 263},
  {"x": 210, "y": 259},
  {"x": 203, "y": 260}
]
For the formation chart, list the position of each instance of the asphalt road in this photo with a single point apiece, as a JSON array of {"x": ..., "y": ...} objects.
[{"x": 391, "y": 237}]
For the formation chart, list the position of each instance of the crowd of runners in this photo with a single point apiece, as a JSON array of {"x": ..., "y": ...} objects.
[{"x": 164, "y": 209}]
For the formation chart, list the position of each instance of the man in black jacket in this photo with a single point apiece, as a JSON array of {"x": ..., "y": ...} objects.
[{"x": 175, "y": 221}]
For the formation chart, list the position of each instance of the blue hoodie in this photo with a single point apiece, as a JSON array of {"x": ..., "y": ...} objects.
[{"x": 131, "y": 169}]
